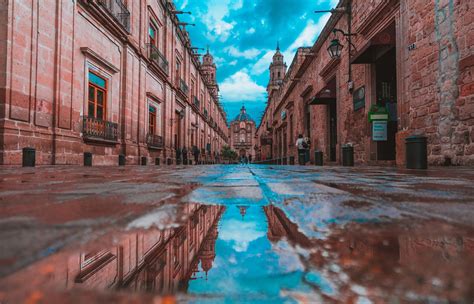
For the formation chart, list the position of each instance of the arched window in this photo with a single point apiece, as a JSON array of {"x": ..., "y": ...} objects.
[{"x": 243, "y": 136}]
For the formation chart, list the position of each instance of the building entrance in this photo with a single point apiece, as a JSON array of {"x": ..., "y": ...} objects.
[{"x": 386, "y": 94}]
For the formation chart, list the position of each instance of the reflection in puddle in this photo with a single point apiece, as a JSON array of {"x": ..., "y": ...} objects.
[
  {"x": 247, "y": 265},
  {"x": 254, "y": 253}
]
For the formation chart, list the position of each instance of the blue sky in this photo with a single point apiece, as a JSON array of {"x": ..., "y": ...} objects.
[{"x": 242, "y": 36}]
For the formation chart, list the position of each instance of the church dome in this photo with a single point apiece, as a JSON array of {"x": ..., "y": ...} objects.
[{"x": 243, "y": 116}]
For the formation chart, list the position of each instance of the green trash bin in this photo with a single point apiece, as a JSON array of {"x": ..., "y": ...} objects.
[
  {"x": 348, "y": 156},
  {"x": 29, "y": 157},
  {"x": 122, "y": 160},
  {"x": 416, "y": 152},
  {"x": 87, "y": 159},
  {"x": 318, "y": 158}
]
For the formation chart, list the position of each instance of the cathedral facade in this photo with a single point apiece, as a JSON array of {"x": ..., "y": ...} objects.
[{"x": 242, "y": 134}]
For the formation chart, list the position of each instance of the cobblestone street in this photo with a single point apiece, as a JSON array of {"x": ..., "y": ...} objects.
[{"x": 236, "y": 233}]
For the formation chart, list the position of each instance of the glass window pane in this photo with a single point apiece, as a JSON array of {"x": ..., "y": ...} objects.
[
  {"x": 152, "y": 109},
  {"x": 100, "y": 97},
  {"x": 91, "y": 93},
  {"x": 151, "y": 32},
  {"x": 100, "y": 112},
  {"x": 91, "y": 109},
  {"x": 98, "y": 81}
]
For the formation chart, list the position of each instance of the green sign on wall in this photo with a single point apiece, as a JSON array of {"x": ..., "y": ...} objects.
[{"x": 359, "y": 98}]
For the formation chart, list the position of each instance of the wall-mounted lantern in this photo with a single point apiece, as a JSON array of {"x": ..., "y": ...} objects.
[{"x": 335, "y": 49}]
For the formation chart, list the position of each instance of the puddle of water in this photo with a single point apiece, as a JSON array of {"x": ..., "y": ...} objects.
[
  {"x": 245, "y": 246},
  {"x": 254, "y": 253}
]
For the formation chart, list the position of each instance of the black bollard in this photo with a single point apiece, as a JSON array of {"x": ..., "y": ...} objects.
[
  {"x": 416, "y": 152},
  {"x": 122, "y": 160},
  {"x": 143, "y": 161},
  {"x": 157, "y": 161},
  {"x": 29, "y": 157},
  {"x": 87, "y": 159},
  {"x": 318, "y": 158},
  {"x": 292, "y": 160},
  {"x": 348, "y": 156}
]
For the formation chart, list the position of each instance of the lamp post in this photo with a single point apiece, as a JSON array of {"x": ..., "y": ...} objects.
[{"x": 335, "y": 47}]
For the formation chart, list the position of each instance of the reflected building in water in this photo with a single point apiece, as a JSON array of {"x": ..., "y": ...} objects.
[
  {"x": 158, "y": 261},
  {"x": 385, "y": 257}
]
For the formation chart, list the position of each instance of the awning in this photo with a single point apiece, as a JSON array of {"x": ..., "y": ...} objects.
[
  {"x": 377, "y": 46},
  {"x": 371, "y": 53},
  {"x": 326, "y": 95}
]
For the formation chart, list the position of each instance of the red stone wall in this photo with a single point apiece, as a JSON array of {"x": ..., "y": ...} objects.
[
  {"x": 434, "y": 59},
  {"x": 43, "y": 81}
]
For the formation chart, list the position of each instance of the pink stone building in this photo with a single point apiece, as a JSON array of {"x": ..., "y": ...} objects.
[
  {"x": 242, "y": 134},
  {"x": 411, "y": 60},
  {"x": 107, "y": 77}
]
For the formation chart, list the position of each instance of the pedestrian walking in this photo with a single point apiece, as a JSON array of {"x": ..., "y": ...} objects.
[
  {"x": 307, "y": 149},
  {"x": 301, "y": 145},
  {"x": 196, "y": 155}
]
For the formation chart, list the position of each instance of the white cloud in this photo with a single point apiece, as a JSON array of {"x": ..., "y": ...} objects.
[
  {"x": 332, "y": 3},
  {"x": 248, "y": 54},
  {"x": 250, "y": 31},
  {"x": 263, "y": 63},
  {"x": 306, "y": 38},
  {"x": 240, "y": 87},
  {"x": 240, "y": 234},
  {"x": 309, "y": 34},
  {"x": 185, "y": 3},
  {"x": 219, "y": 61},
  {"x": 217, "y": 10},
  {"x": 233, "y": 62}
]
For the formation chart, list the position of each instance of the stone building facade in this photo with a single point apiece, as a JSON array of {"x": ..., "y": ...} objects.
[
  {"x": 410, "y": 60},
  {"x": 242, "y": 134},
  {"x": 107, "y": 77}
]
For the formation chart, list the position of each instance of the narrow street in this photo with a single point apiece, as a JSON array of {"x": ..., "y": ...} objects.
[{"x": 236, "y": 233}]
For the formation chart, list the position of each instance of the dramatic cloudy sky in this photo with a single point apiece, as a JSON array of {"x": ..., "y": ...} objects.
[{"x": 242, "y": 35}]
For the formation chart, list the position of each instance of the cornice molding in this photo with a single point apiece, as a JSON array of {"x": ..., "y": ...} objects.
[{"x": 99, "y": 59}]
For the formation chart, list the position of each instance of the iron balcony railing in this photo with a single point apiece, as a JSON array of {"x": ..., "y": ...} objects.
[
  {"x": 205, "y": 113},
  {"x": 266, "y": 141},
  {"x": 196, "y": 102},
  {"x": 97, "y": 129},
  {"x": 158, "y": 58},
  {"x": 154, "y": 141},
  {"x": 119, "y": 11},
  {"x": 183, "y": 87}
]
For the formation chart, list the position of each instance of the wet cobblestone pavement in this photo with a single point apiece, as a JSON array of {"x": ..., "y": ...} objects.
[{"x": 248, "y": 234}]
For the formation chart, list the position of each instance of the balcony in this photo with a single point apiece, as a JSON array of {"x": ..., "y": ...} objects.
[
  {"x": 157, "y": 58},
  {"x": 99, "y": 130},
  {"x": 182, "y": 86},
  {"x": 196, "y": 102},
  {"x": 118, "y": 10},
  {"x": 154, "y": 141},
  {"x": 266, "y": 141}
]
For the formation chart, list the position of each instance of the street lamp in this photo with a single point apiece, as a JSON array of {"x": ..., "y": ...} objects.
[{"x": 335, "y": 47}]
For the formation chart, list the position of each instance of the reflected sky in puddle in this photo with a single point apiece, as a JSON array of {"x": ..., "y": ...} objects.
[
  {"x": 246, "y": 238},
  {"x": 247, "y": 265}
]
